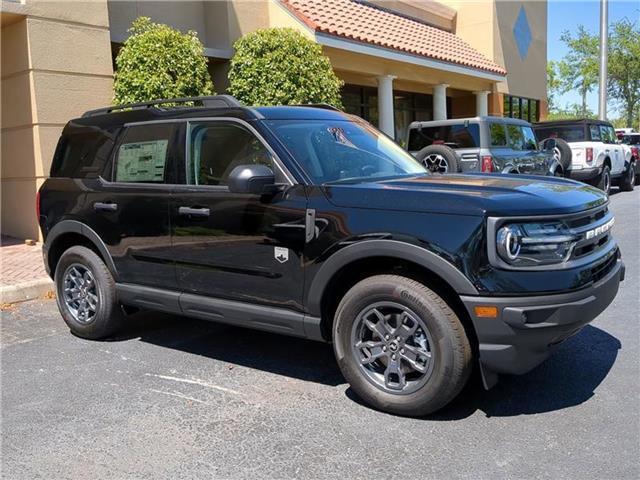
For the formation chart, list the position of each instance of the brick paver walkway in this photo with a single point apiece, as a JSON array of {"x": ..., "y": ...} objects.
[{"x": 20, "y": 263}]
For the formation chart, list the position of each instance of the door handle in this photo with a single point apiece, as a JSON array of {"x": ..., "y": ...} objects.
[
  {"x": 105, "y": 206},
  {"x": 193, "y": 211}
]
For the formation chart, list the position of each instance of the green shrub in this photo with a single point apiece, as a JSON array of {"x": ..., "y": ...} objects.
[
  {"x": 157, "y": 61},
  {"x": 280, "y": 66}
]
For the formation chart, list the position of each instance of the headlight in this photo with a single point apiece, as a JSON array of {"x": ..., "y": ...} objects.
[{"x": 532, "y": 244}]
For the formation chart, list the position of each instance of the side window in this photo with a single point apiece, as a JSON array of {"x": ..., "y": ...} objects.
[
  {"x": 605, "y": 134},
  {"x": 530, "y": 142},
  {"x": 143, "y": 154},
  {"x": 612, "y": 135},
  {"x": 516, "y": 138},
  {"x": 82, "y": 155},
  {"x": 594, "y": 130},
  {"x": 216, "y": 148},
  {"x": 498, "y": 135}
]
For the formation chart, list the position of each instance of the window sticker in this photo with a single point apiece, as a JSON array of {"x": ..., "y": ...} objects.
[
  {"x": 339, "y": 136},
  {"x": 142, "y": 161}
]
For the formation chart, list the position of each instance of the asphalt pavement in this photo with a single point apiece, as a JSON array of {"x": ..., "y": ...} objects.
[{"x": 178, "y": 398}]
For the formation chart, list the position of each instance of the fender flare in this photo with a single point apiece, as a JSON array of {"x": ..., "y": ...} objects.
[
  {"x": 384, "y": 248},
  {"x": 74, "y": 226}
]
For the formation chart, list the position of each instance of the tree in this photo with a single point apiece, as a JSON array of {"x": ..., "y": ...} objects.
[
  {"x": 280, "y": 66},
  {"x": 624, "y": 69},
  {"x": 157, "y": 61},
  {"x": 579, "y": 68},
  {"x": 554, "y": 84}
]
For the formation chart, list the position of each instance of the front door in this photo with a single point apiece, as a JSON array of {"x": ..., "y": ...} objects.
[
  {"x": 129, "y": 209},
  {"x": 241, "y": 247}
]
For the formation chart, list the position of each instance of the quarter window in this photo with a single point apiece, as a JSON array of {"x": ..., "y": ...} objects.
[
  {"x": 142, "y": 156},
  {"x": 215, "y": 149},
  {"x": 498, "y": 135}
]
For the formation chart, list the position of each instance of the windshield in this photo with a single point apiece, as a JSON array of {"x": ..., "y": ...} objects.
[{"x": 342, "y": 150}]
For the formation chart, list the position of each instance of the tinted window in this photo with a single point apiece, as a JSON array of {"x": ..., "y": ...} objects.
[
  {"x": 515, "y": 138},
  {"x": 530, "y": 142},
  {"x": 569, "y": 133},
  {"x": 82, "y": 155},
  {"x": 215, "y": 149},
  {"x": 498, "y": 135},
  {"x": 594, "y": 130},
  {"x": 607, "y": 134},
  {"x": 340, "y": 150},
  {"x": 456, "y": 136},
  {"x": 631, "y": 139},
  {"x": 142, "y": 156}
]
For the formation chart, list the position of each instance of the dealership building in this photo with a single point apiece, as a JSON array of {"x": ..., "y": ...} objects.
[{"x": 400, "y": 60}]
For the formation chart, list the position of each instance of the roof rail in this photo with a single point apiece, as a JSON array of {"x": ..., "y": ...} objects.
[
  {"x": 213, "y": 101},
  {"x": 324, "y": 106}
]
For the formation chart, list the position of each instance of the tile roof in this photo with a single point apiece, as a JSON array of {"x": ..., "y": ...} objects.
[{"x": 365, "y": 23}]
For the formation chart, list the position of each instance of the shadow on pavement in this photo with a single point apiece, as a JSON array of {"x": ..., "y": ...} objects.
[{"x": 568, "y": 378}]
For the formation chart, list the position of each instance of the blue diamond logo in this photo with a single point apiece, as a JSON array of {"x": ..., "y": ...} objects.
[{"x": 522, "y": 33}]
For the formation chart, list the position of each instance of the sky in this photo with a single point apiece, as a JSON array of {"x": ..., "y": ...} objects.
[{"x": 567, "y": 15}]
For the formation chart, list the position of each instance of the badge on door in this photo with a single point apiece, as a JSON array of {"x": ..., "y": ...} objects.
[{"x": 281, "y": 254}]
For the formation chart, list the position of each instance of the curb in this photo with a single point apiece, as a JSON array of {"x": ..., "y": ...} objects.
[{"x": 25, "y": 291}]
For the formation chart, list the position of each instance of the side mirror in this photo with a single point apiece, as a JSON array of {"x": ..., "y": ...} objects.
[
  {"x": 548, "y": 144},
  {"x": 251, "y": 179}
]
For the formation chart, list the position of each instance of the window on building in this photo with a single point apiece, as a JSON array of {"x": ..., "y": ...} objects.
[{"x": 524, "y": 108}]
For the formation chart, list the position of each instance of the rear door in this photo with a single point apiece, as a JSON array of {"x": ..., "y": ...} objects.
[
  {"x": 613, "y": 149},
  {"x": 236, "y": 246},
  {"x": 129, "y": 206}
]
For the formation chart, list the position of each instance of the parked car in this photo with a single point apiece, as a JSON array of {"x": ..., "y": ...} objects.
[
  {"x": 480, "y": 144},
  {"x": 596, "y": 157},
  {"x": 310, "y": 222},
  {"x": 632, "y": 140},
  {"x": 620, "y": 132}
]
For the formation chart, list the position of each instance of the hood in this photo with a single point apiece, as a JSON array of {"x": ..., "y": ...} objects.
[{"x": 486, "y": 194}]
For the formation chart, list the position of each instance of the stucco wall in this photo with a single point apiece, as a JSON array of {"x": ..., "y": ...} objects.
[{"x": 56, "y": 64}]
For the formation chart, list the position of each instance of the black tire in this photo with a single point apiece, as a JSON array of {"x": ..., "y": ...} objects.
[
  {"x": 451, "y": 354},
  {"x": 108, "y": 315},
  {"x": 438, "y": 159},
  {"x": 628, "y": 180},
  {"x": 563, "y": 154},
  {"x": 604, "y": 180}
]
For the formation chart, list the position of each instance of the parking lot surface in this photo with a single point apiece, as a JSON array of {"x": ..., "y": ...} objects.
[{"x": 175, "y": 398}]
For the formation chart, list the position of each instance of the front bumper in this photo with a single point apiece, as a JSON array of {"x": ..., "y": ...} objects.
[{"x": 527, "y": 328}]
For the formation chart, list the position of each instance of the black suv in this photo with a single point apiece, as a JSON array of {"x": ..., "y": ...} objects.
[{"x": 309, "y": 222}]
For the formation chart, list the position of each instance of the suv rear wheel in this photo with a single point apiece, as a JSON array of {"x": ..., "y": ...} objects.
[
  {"x": 400, "y": 346},
  {"x": 438, "y": 159},
  {"x": 604, "y": 180},
  {"x": 86, "y": 294}
]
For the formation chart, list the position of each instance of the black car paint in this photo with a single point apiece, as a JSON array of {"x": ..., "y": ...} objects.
[{"x": 228, "y": 256}]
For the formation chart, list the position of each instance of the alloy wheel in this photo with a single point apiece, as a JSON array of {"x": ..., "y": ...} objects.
[
  {"x": 392, "y": 347},
  {"x": 80, "y": 294},
  {"x": 436, "y": 163}
]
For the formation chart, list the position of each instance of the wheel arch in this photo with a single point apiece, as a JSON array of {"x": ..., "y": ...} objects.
[
  {"x": 69, "y": 233},
  {"x": 374, "y": 257}
]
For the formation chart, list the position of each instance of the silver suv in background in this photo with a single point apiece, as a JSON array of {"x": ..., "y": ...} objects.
[{"x": 481, "y": 144}]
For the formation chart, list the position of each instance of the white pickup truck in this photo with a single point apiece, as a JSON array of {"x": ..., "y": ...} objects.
[{"x": 596, "y": 157}]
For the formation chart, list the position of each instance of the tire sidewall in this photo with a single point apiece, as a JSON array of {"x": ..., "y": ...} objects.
[
  {"x": 103, "y": 321},
  {"x": 426, "y": 398},
  {"x": 446, "y": 152}
]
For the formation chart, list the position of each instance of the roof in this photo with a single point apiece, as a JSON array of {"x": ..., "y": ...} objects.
[
  {"x": 366, "y": 23},
  {"x": 480, "y": 119},
  {"x": 576, "y": 121}
]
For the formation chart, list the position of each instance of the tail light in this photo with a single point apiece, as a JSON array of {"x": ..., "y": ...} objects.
[
  {"x": 487, "y": 163},
  {"x": 589, "y": 153},
  {"x": 38, "y": 205}
]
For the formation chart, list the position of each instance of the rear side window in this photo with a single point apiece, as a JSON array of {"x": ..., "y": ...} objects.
[
  {"x": 594, "y": 130},
  {"x": 83, "y": 154},
  {"x": 498, "y": 135},
  {"x": 455, "y": 136},
  {"x": 143, "y": 153}
]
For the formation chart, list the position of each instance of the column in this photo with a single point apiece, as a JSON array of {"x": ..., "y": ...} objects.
[
  {"x": 482, "y": 103},
  {"x": 440, "y": 101},
  {"x": 385, "y": 104}
]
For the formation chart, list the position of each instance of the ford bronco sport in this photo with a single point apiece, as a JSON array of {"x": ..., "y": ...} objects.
[{"x": 309, "y": 222}]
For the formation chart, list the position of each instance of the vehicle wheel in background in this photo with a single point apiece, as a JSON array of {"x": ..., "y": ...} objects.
[
  {"x": 604, "y": 180},
  {"x": 86, "y": 294},
  {"x": 400, "y": 346},
  {"x": 438, "y": 159},
  {"x": 563, "y": 154},
  {"x": 628, "y": 180}
]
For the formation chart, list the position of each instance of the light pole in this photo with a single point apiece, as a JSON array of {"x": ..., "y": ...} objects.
[{"x": 604, "y": 40}]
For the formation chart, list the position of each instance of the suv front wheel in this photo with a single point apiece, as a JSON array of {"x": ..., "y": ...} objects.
[
  {"x": 400, "y": 346},
  {"x": 604, "y": 180},
  {"x": 86, "y": 294}
]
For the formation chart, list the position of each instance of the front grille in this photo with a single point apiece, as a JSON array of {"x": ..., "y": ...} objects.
[
  {"x": 592, "y": 230},
  {"x": 600, "y": 271}
]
